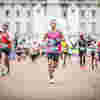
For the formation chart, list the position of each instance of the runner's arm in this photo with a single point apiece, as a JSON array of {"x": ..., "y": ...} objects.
[
  {"x": 10, "y": 39},
  {"x": 61, "y": 35},
  {"x": 45, "y": 37}
]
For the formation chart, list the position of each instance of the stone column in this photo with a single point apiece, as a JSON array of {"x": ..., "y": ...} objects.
[
  {"x": 2, "y": 14},
  {"x": 73, "y": 19}
]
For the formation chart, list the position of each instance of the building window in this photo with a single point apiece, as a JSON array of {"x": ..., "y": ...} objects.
[
  {"x": 7, "y": 13},
  {"x": 18, "y": 27},
  {"x": 93, "y": 13},
  {"x": 28, "y": 24},
  {"x": 17, "y": 13},
  {"x": 64, "y": 13},
  {"x": 93, "y": 27},
  {"x": 73, "y": 10},
  {"x": 82, "y": 13},
  {"x": 28, "y": 13},
  {"x": 83, "y": 27}
]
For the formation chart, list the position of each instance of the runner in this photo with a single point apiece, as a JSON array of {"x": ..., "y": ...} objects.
[
  {"x": 6, "y": 45},
  {"x": 64, "y": 51},
  {"x": 93, "y": 50},
  {"x": 54, "y": 39},
  {"x": 82, "y": 45},
  {"x": 35, "y": 50}
]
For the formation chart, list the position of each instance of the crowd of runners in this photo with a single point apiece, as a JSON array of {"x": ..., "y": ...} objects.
[{"x": 54, "y": 46}]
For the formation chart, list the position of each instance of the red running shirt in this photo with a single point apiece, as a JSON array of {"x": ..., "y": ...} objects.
[{"x": 5, "y": 39}]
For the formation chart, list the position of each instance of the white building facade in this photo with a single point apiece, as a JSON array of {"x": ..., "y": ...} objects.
[{"x": 29, "y": 17}]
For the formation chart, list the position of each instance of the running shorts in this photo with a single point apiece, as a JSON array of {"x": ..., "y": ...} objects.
[
  {"x": 19, "y": 53},
  {"x": 12, "y": 56},
  {"x": 82, "y": 51},
  {"x": 65, "y": 53},
  {"x": 5, "y": 50},
  {"x": 53, "y": 56}
]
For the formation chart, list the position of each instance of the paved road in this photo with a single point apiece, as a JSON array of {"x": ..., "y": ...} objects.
[{"x": 29, "y": 81}]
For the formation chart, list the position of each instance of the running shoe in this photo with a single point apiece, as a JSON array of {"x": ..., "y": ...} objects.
[
  {"x": 52, "y": 81},
  {"x": 2, "y": 70}
]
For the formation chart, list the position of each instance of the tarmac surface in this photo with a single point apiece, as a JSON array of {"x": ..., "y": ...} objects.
[{"x": 29, "y": 81}]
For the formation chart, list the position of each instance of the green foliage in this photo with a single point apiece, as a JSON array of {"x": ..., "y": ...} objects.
[{"x": 98, "y": 3}]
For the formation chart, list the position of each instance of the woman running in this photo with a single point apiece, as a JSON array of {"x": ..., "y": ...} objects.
[{"x": 54, "y": 41}]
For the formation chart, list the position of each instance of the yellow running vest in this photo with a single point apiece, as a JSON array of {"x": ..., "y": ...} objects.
[{"x": 64, "y": 46}]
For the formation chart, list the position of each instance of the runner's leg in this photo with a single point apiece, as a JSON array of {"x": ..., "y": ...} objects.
[
  {"x": 50, "y": 66},
  {"x": 84, "y": 59},
  {"x": 0, "y": 58},
  {"x": 96, "y": 60},
  {"x": 7, "y": 63},
  {"x": 56, "y": 60},
  {"x": 62, "y": 56},
  {"x": 65, "y": 57},
  {"x": 81, "y": 55},
  {"x": 92, "y": 60}
]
